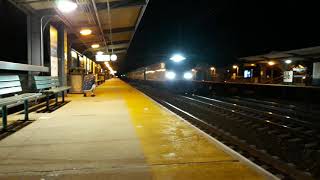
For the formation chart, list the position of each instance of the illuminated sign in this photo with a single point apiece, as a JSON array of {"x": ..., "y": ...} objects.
[
  {"x": 102, "y": 58},
  {"x": 247, "y": 73},
  {"x": 53, "y": 51}
]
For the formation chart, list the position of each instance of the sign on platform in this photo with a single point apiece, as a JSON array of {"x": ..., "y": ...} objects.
[
  {"x": 288, "y": 76},
  {"x": 102, "y": 58}
]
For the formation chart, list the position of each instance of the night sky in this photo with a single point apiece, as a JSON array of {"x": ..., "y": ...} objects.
[
  {"x": 205, "y": 31},
  {"x": 13, "y": 31},
  {"x": 218, "y": 32}
]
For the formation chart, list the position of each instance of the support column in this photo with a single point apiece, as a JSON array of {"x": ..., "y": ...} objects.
[
  {"x": 62, "y": 54},
  {"x": 316, "y": 74},
  {"x": 33, "y": 34},
  {"x": 34, "y": 40}
]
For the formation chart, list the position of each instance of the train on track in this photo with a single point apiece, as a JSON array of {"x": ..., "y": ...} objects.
[
  {"x": 170, "y": 71},
  {"x": 165, "y": 71}
]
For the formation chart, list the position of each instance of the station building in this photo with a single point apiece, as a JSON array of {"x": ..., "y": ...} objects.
[{"x": 294, "y": 67}]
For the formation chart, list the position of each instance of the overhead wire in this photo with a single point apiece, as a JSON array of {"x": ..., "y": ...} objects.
[
  {"x": 110, "y": 24},
  {"x": 99, "y": 24}
]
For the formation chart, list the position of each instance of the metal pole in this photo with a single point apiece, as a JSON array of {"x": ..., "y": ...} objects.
[
  {"x": 99, "y": 23},
  {"x": 41, "y": 37},
  {"x": 41, "y": 34},
  {"x": 4, "y": 117},
  {"x": 26, "y": 110},
  {"x": 41, "y": 42}
]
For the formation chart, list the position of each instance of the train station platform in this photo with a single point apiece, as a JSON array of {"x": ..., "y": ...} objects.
[{"x": 118, "y": 134}]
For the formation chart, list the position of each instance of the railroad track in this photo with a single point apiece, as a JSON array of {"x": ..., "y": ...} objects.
[
  {"x": 285, "y": 144},
  {"x": 305, "y": 112}
]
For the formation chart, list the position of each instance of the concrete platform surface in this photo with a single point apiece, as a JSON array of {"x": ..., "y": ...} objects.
[{"x": 119, "y": 134}]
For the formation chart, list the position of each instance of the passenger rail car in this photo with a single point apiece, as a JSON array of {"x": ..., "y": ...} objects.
[{"x": 164, "y": 71}]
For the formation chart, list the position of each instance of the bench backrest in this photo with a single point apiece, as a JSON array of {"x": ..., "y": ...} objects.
[
  {"x": 45, "y": 82},
  {"x": 10, "y": 84}
]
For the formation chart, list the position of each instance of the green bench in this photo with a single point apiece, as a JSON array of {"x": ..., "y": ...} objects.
[
  {"x": 9, "y": 87},
  {"x": 49, "y": 85}
]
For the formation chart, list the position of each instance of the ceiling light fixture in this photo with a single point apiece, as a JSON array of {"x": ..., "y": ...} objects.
[
  {"x": 66, "y": 6},
  {"x": 95, "y": 46},
  {"x": 85, "y": 32},
  {"x": 271, "y": 63}
]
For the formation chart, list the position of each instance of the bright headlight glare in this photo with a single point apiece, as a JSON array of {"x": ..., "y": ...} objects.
[
  {"x": 170, "y": 75},
  {"x": 177, "y": 58},
  {"x": 187, "y": 75}
]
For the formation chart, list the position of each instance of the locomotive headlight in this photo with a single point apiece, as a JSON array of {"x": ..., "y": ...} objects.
[
  {"x": 170, "y": 75},
  {"x": 187, "y": 75}
]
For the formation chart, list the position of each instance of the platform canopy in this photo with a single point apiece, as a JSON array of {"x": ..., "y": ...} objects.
[
  {"x": 311, "y": 54},
  {"x": 124, "y": 17}
]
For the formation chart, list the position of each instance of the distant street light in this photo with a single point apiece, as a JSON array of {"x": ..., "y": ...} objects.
[
  {"x": 177, "y": 58},
  {"x": 237, "y": 68},
  {"x": 271, "y": 63},
  {"x": 66, "y": 6},
  {"x": 288, "y": 61},
  {"x": 213, "y": 71}
]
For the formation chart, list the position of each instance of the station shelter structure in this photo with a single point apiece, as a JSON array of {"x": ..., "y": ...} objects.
[
  {"x": 65, "y": 44},
  {"x": 294, "y": 67}
]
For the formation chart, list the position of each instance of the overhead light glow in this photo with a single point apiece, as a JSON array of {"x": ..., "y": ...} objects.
[
  {"x": 150, "y": 72},
  {"x": 95, "y": 46},
  {"x": 271, "y": 63},
  {"x": 99, "y": 53},
  {"x": 212, "y": 68},
  {"x": 177, "y": 58},
  {"x": 113, "y": 57},
  {"x": 161, "y": 70},
  {"x": 170, "y": 75},
  {"x": 111, "y": 71},
  {"x": 85, "y": 32},
  {"x": 288, "y": 61},
  {"x": 234, "y": 66},
  {"x": 187, "y": 75},
  {"x": 66, "y": 6}
]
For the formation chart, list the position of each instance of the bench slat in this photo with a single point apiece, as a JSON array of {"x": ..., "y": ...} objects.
[
  {"x": 58, "y": 89},
  {"x": 44, "y": 78},
  {"x": 10, "y": 90},
  {"x": 45, "y": 82},
  {"x": 45, "y": 86},
  {"x": 9, "y": 78},
  {"x": 9, "y": 84},
  {"x": 19, "y": 98}
]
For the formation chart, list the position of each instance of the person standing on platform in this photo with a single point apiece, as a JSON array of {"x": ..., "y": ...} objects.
[{"x": 89, "y": 84}]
